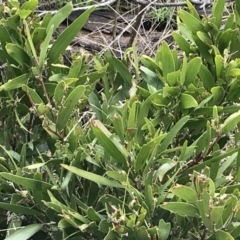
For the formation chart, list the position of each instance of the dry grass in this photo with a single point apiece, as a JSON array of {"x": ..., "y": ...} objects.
[{"x": 147, "y": 41}]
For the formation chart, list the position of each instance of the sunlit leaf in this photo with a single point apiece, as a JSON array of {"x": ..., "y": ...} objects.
[
  {"x": 27, "y": 182},
  {"x": 65, "y": 38},
  {"x": 230, "y": 123},
  {"x": 181, "y": 208},
  {"x": 15, "y": 83},
  {"x": 18, "y": 54},
  {"x": 185, "y": 193},
  {"x": 110, "y": 145},
  {"x": 26, "y": 232},
  {"x": 173, "y": 132},
  {"x": 187, "y": 101},
  {"x": 19, "y": 209},
  {"x": 93, "y": 177},
  {"x": 68, "y": 106}
]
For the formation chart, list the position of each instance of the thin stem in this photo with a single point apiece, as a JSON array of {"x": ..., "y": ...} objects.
[
  {"x": 115, "y": 22},
  {"x": 136, "y": 25}
]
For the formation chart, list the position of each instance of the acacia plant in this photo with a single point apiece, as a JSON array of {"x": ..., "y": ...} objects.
[{"x": 132, "y": 148}]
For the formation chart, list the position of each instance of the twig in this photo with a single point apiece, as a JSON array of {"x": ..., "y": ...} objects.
[
  {"x": 115, "y": 22},
  {"x": 201, "y": 3},
  {"x": 136, "y": 26},
  {"x": 103, "y": 4},
  {"x": 201, "y": 155}
]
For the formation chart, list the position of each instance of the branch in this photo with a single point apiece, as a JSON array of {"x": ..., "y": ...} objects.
[
  {"x": 201, "y": 3},
  {"x": 98, "y": 5}
]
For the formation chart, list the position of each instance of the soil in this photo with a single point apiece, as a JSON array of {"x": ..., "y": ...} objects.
[{"x": 97, "y": 34}]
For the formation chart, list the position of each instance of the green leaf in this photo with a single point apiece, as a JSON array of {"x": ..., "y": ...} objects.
[
  {"x": 145, "y": 106},
  {"x": 117, "y": 121},
  {"x": 13, "y": 226},
  {"x": 183, "y": 70},
  {"x": 225, "y": 39},
  {"x": 145, "y": 151},
  {"x": 119, "y": 176},
  {"x": 206, "y": 77},
  {"x": 217, "y": 12},
  {"x": 200, "y": 143},
  {"x": 150, "y": 63},
  {"x": 236, "y": 232},
  {"x": 60, "y": 16},
  {"x": 18, "y": 54},
  {"x": 173, "y": 132},
  {"x": 19, "y": 209},
  {"x": 212, "y": 160},
  {"x": 168, "y": 64},
  {"x": 191, "y": 22},
  {"x": 68, "y": 106},
  {"x": 173, "y": 79},
  {"x": 187, "y": 101},
  {"x": 30, "y": 5},
  {"x": 93, "y": 215},
  {"x": 204, "y": 37},
  {"x": 59, "y": 91},
  {"x": 164, "y": 168},
  {"x": 149, "y": 199},
  {"x": 44, "y": 47},
  {"x": 192, "y": 70},
  {"x": 3, "y": 169},
  {"x": 163, "y": 230},
  {"x": 237, "y": 7},
  {"x": 92, "y": 77},
  {"x": 42, "y": 109},
  {"x": 5, "y": 36},
  {"x": 192, "y": 9},
  {"x": 110, "y": 145},
  {"x": 27, "y": 182},
  {"x": 14, "y": 3},
  {"x": 181, "y": 208},
  {"x": 34, "y": 97},
  {"x": 151, "y": 78},
  {"x": 233, "y": 73},
  {"x": 65, "y": 38},
  {"x": 26, "y": 232},
  {"x": 219, "y": 61},
  {"x": 93, "y": 177},
  {"x": 123, "y": 70},
  {"x": 131, "y": 122},
  {"x": 186, "y": 33},
  {"x": 75, "y": 68},
  {"x": 182, "y": 43},
  {"x": 15, "y": 83},
  {"x": 142, "y": 234},
  {"x": 59, "y": 207},
  {"x": 230, "y": 123},
  {"x": 171, "y": 91},
  {"x": 30, "y": 41},
  {"x": 185, "y": 193},
  {"x": 204, "y": 210},
  {"x": 23, "y": 14},
  {"x": 226, "y": 164},
  {"x": 230, "y": 23},
  {"x": 216, "y": 213},
  {"x": 221, "y": 235},
  {"x": 203, "y": 48}
]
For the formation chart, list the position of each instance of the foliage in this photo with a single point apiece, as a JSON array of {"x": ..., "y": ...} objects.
[
  {"x": 161, "y": 14},
  {"x": 138, "y": 148}
]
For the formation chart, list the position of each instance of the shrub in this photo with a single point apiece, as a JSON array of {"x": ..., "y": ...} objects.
[{"x": 152, "y": 154}]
